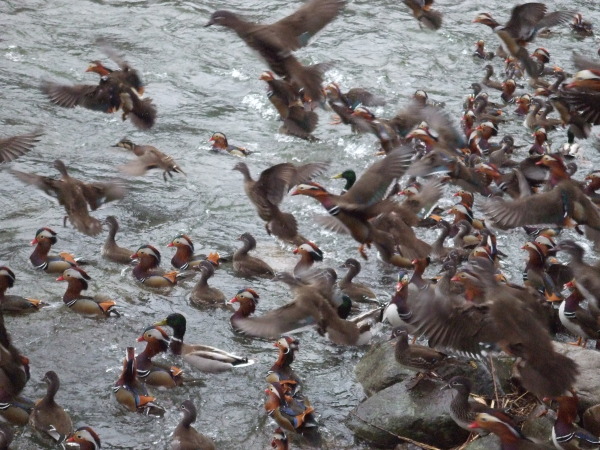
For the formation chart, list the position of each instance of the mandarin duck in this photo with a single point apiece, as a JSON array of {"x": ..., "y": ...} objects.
[
  {"x": 510, "y": 437},
  {"x": 279, "y": 440},
  {"x": 280, "y": 93},
  {"x": 282, "y": 371},
  {"x": 219, "y": 143},
  {"x": 247, "y": 299},
  {"x": 147, "y": 270},
  {"x": 267, "y": 193},
  {"x": 130, "y": 392},
  {"x": 184, "y": 257},
  {"x": 111, "y": 250},
  {"x": 44, "y": 239},
  {"x": 202, "y": 357},
  {"x": 423, "y": 359},
  {"x": 463, "y": 411},
  {"x": 14, "y": 303},
  {"x": 245, "y": 265},
  {"x": 203, "y": 294},
  {"x": 148, "y": 157},
  {"x": 77, "y": 197},
  {"x": 152, "y": 373},
  {"x": 581, "y": 28},
  {"x": 86, "y": 438},
  {"x": 275, "y": 42},
  {"x": 77, "y": 280},
  {"x": 13, "y": 147},
  {"x": 49, "y": 418},
  {"x": 118, "y": 89},
  {"x": 290, "y": 413},
  {"x": 579, "y": 321},
  {"x": 566, "y": 435},
  {"x": 309, "y": 254},
  {"x": 185, "y": 436},
  {"x": 480, "y": 51},
  {"x": 583, "y": 90}
]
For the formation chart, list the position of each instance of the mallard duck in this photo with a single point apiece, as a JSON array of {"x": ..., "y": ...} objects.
[{"x": 202, "y": 357}]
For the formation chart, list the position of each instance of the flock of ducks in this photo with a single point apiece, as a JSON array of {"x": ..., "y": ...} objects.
[{"x": 468, "y": 310}]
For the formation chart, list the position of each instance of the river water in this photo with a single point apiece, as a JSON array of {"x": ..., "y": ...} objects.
[{"x": 205, "y": 80}]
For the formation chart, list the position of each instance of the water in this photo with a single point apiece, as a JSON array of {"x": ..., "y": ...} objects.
[{"x": 204, "y": 80}]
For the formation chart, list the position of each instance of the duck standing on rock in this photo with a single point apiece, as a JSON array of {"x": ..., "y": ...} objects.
[
  {"x": 416, "y": 357},
  {"x": 276, "y": 42}
]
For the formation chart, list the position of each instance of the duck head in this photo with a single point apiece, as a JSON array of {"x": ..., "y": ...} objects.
[
  {"x": 182, "y": 241},
  {"x": 7, "y": 278},
  {"x": 403, "y": 279},
  {"x": 75, "y": 274},
  {"x": 244, "y": 296},
  {"x": 287, "y": 344},
  {"x": 310, "y": 250},
  {"x": 310, "y": 189},
  {"x": 44, "y": 236},
  {"x": 219, "y": 140},
  {"x": 147, "y": 255},
  {"x": 86, "y": 437}
]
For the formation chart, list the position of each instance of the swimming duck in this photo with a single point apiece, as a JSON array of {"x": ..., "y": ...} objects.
[
  {"x": 245, "y": 265},
  {"x": 566, "y": 435},
  {"x": 581, "y": 28},
  {"x": 247, "y": 299},
  {"x": 282, "y": 371},
  {"x": 86, "y": 438},
  {"x": 185, "y": 435},
  {"x": 154, "y": 374},
  {"x": 267, "y": 192},
  {"x": 130, "y": 392},
  {"x": 111, "y": 250},
  {"x": 510, "y": 437},
  {"x": 480, "y": 51},
  {"x": 77, "y": 197},
  {"x": 203, "y": 294},
  {"x": 309, "y": 253},
  {"x": 13, "y": 147},
  {"x": 290, "y": 413},
  {"x": 276, "y": 42},
  {"x": 184, "y": 257},
  {"x": 280, "y": 440},
  {"x": 47, "y": 416},
  {"x": 219, "y": 142},
  {"x": 147, "y": 271},
  {"x": 148, "y": 157},
  {"x": 357, "y": 292},
  {"x": 202, "y": 357},
  {"x": 44, "y": 239},
  {"x": 487, "y": 81},
  {"x": 118, "y": 89},
  {"x": 77, "y": 280},
  {"x": 15, "y": 303}
]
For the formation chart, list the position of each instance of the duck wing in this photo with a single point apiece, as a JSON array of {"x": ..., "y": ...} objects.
[{"x": 13, "y": 147}]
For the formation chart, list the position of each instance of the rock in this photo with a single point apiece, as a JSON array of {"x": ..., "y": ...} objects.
[
  {"x": 484, "y": 443},
  {"x": 591, "y": 420},
  {"x": 588, "y": 381},
  {"x": 420, "y": 414},
  {"x": 538, "y": 427},
  {"x": 378, "y": 369}
]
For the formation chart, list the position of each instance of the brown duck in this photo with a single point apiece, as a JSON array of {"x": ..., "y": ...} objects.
[
  {"x": 14, "y": 303},
  {"x": 118, "y": 89},
  {"x": 357, "y": 292},
  {"x": 47, "y": 416},
  {"x": 148, "y": 157},
  {"x": 276, "y": 42},
  {"x": 185, "y": 436},
  {"x": 13, "y": 147},
  {"x": 203, "y": 294},
  {"x": 111, "y": 250},
  {"x": 77, "y": 197},
  {"x": 245, "y": 265},
  {"x": 267, "y": 192}
]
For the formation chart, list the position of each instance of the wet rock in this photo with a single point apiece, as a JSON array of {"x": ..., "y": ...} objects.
[
  {"x": 420, "y": 414},
  {"x": 484, "y": 443},
  {"x": 591, "y": 420},
  {"x": 378, "y": 369}
]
